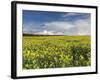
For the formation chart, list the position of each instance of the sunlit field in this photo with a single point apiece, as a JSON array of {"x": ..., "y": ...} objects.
[{"x": 56, "y": 51}]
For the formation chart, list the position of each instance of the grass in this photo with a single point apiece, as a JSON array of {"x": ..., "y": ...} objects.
[{"x": 56, "y": 51}]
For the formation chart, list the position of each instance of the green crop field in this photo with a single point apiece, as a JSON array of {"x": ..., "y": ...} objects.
[{"x": 56, "y": 51}]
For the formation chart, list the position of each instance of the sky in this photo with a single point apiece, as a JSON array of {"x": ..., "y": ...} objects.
[{"x": 56, "y": 23}]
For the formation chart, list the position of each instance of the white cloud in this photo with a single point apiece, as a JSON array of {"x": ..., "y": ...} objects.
[
  {"x": 31, "y": 27},
  {"x": 84, "y": 27},
  {"x": 70, "y": 14},
  {"x": 45, "y": 32},
  {"x": 58, "y": 26},
  {"x": 78, "y": 27}
]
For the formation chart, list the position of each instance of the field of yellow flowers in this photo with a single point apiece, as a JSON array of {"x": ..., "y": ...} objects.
[{"x": 56, "y": 51}]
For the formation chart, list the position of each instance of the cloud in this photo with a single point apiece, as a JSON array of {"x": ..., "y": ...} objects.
[
  {"x": 78, "y": 27},
  {"x": 58, "y": 26},
  {"x": 84, "y": 27},
  {"x": 32, "y": 27},
  {"x": 76, "y": 16},
  {"x": 45, "y": 32},
  {"x": 70, "y": 14}
]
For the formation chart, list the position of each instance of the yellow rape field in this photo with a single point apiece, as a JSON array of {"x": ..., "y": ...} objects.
[{"x": 56, "y": 51}]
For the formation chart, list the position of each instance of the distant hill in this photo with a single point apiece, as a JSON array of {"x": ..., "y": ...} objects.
[
  {"x": 25, "y": 34},
  {"x": 29, "y": 34}
]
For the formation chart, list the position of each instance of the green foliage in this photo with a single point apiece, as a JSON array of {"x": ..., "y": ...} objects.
[{"x": 56, "y": 51}]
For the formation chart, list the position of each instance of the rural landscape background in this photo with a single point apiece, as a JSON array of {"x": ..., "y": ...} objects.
[{"x": 56, "y": 39}]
